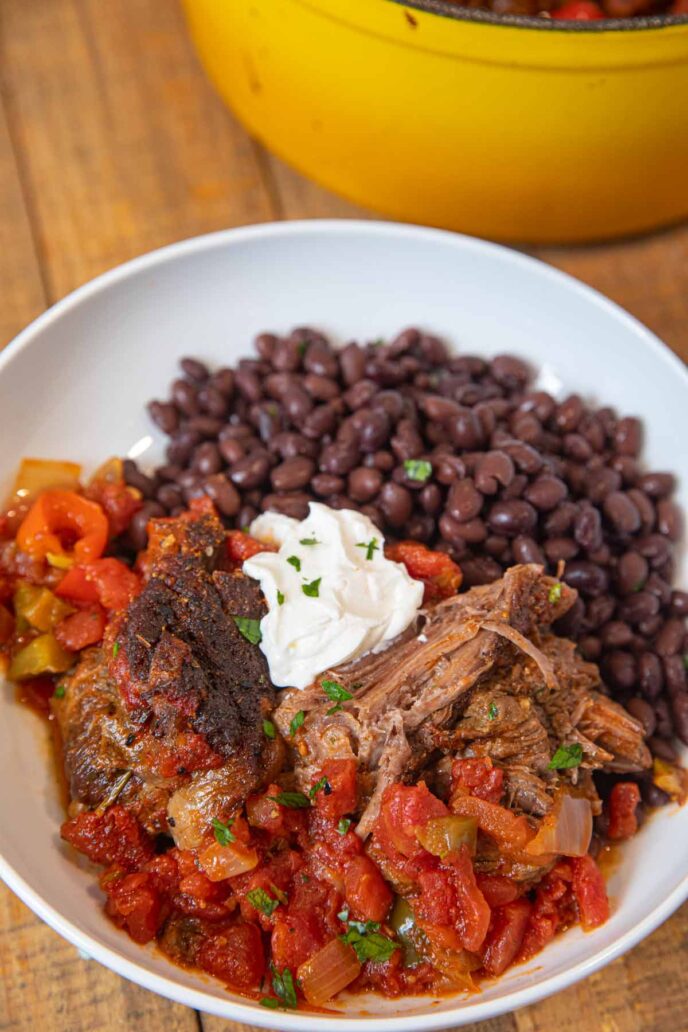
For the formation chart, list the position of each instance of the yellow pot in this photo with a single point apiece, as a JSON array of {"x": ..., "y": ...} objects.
[{"x": 516, "y": 128}]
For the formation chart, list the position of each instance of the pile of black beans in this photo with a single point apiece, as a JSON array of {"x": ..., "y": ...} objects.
[{"x": 458, "y": 452}]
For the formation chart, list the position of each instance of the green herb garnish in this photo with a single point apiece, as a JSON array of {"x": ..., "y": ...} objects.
[
  {"x": 566, "y": 756},
  {"x": 249, "y": 628},
  {"x": 115, "y": 649},
  {"x": 292, "y": 800},
  {"x": 418, "y": 469},
  {"x": 59, "y": 692},
  {"x": 280, "y": 598},
  {"x": 269, "y": 729},
  {"x": 294, "y": 561},
  {"x": 320, "y": 786},
  {"x": 223, "y": 832},
  {"x": 309, "y": 541},
  {"x": 370, "y": 546},
  {"x": 337, "y": 692},
  {"x": 312, "y": 589},
  {"x": 367, "y": 941},
  {"x": 297, "y": 722},
  {"x": 344, "y": 825},
  {"x": 260, "y": 899},
  {"x": 491, "y": 711},
  {"x": 284, "y": 990},
  {"x": 554, "y": 593}
]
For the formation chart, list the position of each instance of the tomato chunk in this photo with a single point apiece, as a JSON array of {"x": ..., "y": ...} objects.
[
  {"x": 405, "y": 808},
  {"x": 134, "y": 903},
  {"x": 86, "y": 627},
  {"x": 235, "y": 955},
  {"x": 107, "y": 581},
  {"x": 366, "y": 891},
  {"x": 341, "y": 782},
  {"x": 623, "y": 802},
  {"x": 64, "y": 524},
  {"x": 241, "y": 546},
  {"x": 440, "y": 574},
  {"x": 111, "y": 837},
  {"x": 477, "y": 776},
  {"x": 505, "y": 936},
  {"x": 590, "y": 892}
]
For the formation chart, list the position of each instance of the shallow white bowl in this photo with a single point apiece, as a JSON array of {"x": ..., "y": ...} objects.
[{"x": 74, "y": 385}]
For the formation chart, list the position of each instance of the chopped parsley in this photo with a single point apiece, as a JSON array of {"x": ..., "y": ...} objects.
[
  {"x": 320, "y": 786},
  {"x": 280, "y": 598},
  {"x": 338, "y": 693},
  {"x": 371, "y": 547},
  {"x": 492, "y": 711},
  {"x": 263, "y": 902},
  {"x": 297, "y": 722},
  {"x": 344, "y": 825},
  {"x": 115, "y": 649},
  {"x": 292, "y": 800},
  {"x": 223, "y": 832},
  {"x": 312, "y": 589},
  {"x": 418, "y": 469},
  {"x": 249, "y": 628},
  {"x": 269, "y": 729},
  {"x": 309, "y": 541},
  {"x": 566, "y": 756},
  {"x": 284, "y": 990},
  {"x": 59, "y": 692},
  {"x": 367, "y": 941},
  {"x": 554, "y": 593},
  {"x": 294, "y": 561}
]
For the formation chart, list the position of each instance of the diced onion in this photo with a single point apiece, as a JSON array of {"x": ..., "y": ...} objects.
[
  {"x": 331, "y": 969},
  {"x": 671, "y": 779},
  {"x": 444, "y": 835},
  {"x": 220, "y": 862},
  {"x": 567, "y": 828}
]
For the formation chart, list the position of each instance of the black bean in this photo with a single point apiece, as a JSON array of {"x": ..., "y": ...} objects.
[
  {"x": 164, "y": 415},
  {"x": 546, "y": 492},
  {"x": 674, "y": 674},
  {"x": 321, "y": 421},
  {"x": 407, "y": 442},
  {"x": 602, "y": 482},
  {"x": 395, "y": 503},
  {"x": 577, "y": 447},
  {"x": 669, "y": 641},
  {"x": 527, "y": 550},
  {"x": 679, "y": 711},
  {"x": 644, "y": 714},
  {"x": 449, "y": 468},
  {"x": 663, "y": 749},
  {"x": 292, "y": 474},
  {"x": 207, "y": 459},
  {"x": 679, "y": 603},
  {"x": 657, "y": 485},
  {"x": 655, "y": 548},
  {"x": 627, "y": 467},
  {"x": 194, "y": 370},
  {"x": 561, "y": 520},
  {"x": 291, "y": 503},
  {"x": 250, "y": 471},
  {"x": 185, "y": 397},
  {"x": 321, "y": 360},
  {"x": 231, "y": 449},
  {"x": 560, "y": 549},
  {"x": 669, "y": 520},
  {"x": 205, "y": 426},
  {"x": 587, "y": 528},
  {"x": 586, "y": 577},
  {"x": 539, "y": 402},
  {"x": 492, "y": 470},
  {"x": 512, "y": 518},
  {"x": 180, "y": 448},
  {"x": 223, "y": 493},
  {"x": 473, "y": 531},
  {"x": 509, "y": 371},
  {"x": 638, "y": 607},
  {"x": 364, "y": 483},
  {"x": 212, "y": 401},
  {"x": 465, "y": 429},
  {"x": 138, "y": 527},
  {"x": 659, "y": 587},
  {"x": 645, "y": 508},
  {"x": 653, "y": 796},
  {"x": 568, "y": 414},
  {"x": 526, "y": 459},
  {"x": 362, "y": 392},
  {"x": 621, "y": 512},
  {"x": 621, "y": 668},
  {"x": 616, "y": 634},
  {"x": 464, "y": 502},
  {"x": 480, "y": 571},
  {"x": 631, "y": 572},
  {"x": 650, "y": 675},
  {"x": 169, "y": 496},
  {"x": 431, "y": 499},
  {"x": 339, "y": 458},
  {"x": 325, "y": 484},
  {"x": 599, "y": 610},
  {"x": 135, "y": 478},
  {"x": 373, "y": 427},
  {"x": 382, "y": 460},
  {"x": 628, "y": 436}
]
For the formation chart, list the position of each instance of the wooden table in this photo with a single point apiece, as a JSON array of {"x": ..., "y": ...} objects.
[{"x": 112, "y": 143}]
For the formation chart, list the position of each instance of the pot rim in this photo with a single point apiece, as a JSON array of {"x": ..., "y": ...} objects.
[{"x": 455, "y": 12}]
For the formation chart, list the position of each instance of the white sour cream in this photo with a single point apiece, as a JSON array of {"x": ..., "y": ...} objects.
[{"x": 338, "y": 597}]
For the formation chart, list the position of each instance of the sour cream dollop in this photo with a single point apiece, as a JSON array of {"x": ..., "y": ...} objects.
[{"x": 331, "y": 594}]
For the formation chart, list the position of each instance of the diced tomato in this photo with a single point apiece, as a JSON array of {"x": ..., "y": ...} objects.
[
  {"x": 86, "y": 627},
  {"x": 184, "y": 754},
  {"x": 405, "y": 808},
  {"x": 111, "y": 837},
  {"x": 477, "y": 776},
  {"x": 241, "y": 546},
  {"x": 505, "y": 936},
  {"x": 590, "y": 892},
  {"x": 263, "y": 812},
  {"x": 440, "y": 574},
  {"x": 234, "y": 955},
  {"x": 341, "y": 781},
  {"x": 64, "y": 524},
  {"x": 134, "y": 903},
  {"x": 505, "y": 827},
  {"x": 553, "y": 908},
  {"x": 474, "y": 913},
  {"x": 623, "y": 802},
  {"x": 118, "y": 501},
  {"x": 107, "y": 581},
  {"x": 366, "y": 891},
  {"x": 307, "y": 923},
  {"x": 164, "y": 871},
  {"x": 498, "y": 890}
]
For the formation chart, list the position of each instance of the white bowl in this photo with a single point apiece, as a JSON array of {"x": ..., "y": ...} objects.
[{"x": 74, "y": 384}]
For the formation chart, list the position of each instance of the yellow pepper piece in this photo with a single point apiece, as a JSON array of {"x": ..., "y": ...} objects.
[
  {"x": 60, "y": 562},
  {"x": 36, "y": 475},
  {"x": 671, "y": 779},
  {"x": 444, "y": 835},
  {"x": 39, "y": 607},
  {"x": 44, "y": 655}
]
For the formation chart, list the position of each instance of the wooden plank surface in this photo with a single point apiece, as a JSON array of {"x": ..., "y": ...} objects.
[{"x": 112, "y": 143}]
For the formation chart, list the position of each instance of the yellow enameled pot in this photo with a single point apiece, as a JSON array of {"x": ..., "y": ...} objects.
[{"x": 516, "y": 128}]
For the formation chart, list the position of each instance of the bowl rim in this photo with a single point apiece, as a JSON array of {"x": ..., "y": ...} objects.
[
  {"x": 456, "y": 12},
  {"x": 237, "y": 1010}
]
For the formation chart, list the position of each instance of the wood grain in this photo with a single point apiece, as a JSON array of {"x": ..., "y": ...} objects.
[{"x": 111, "y": 143}]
